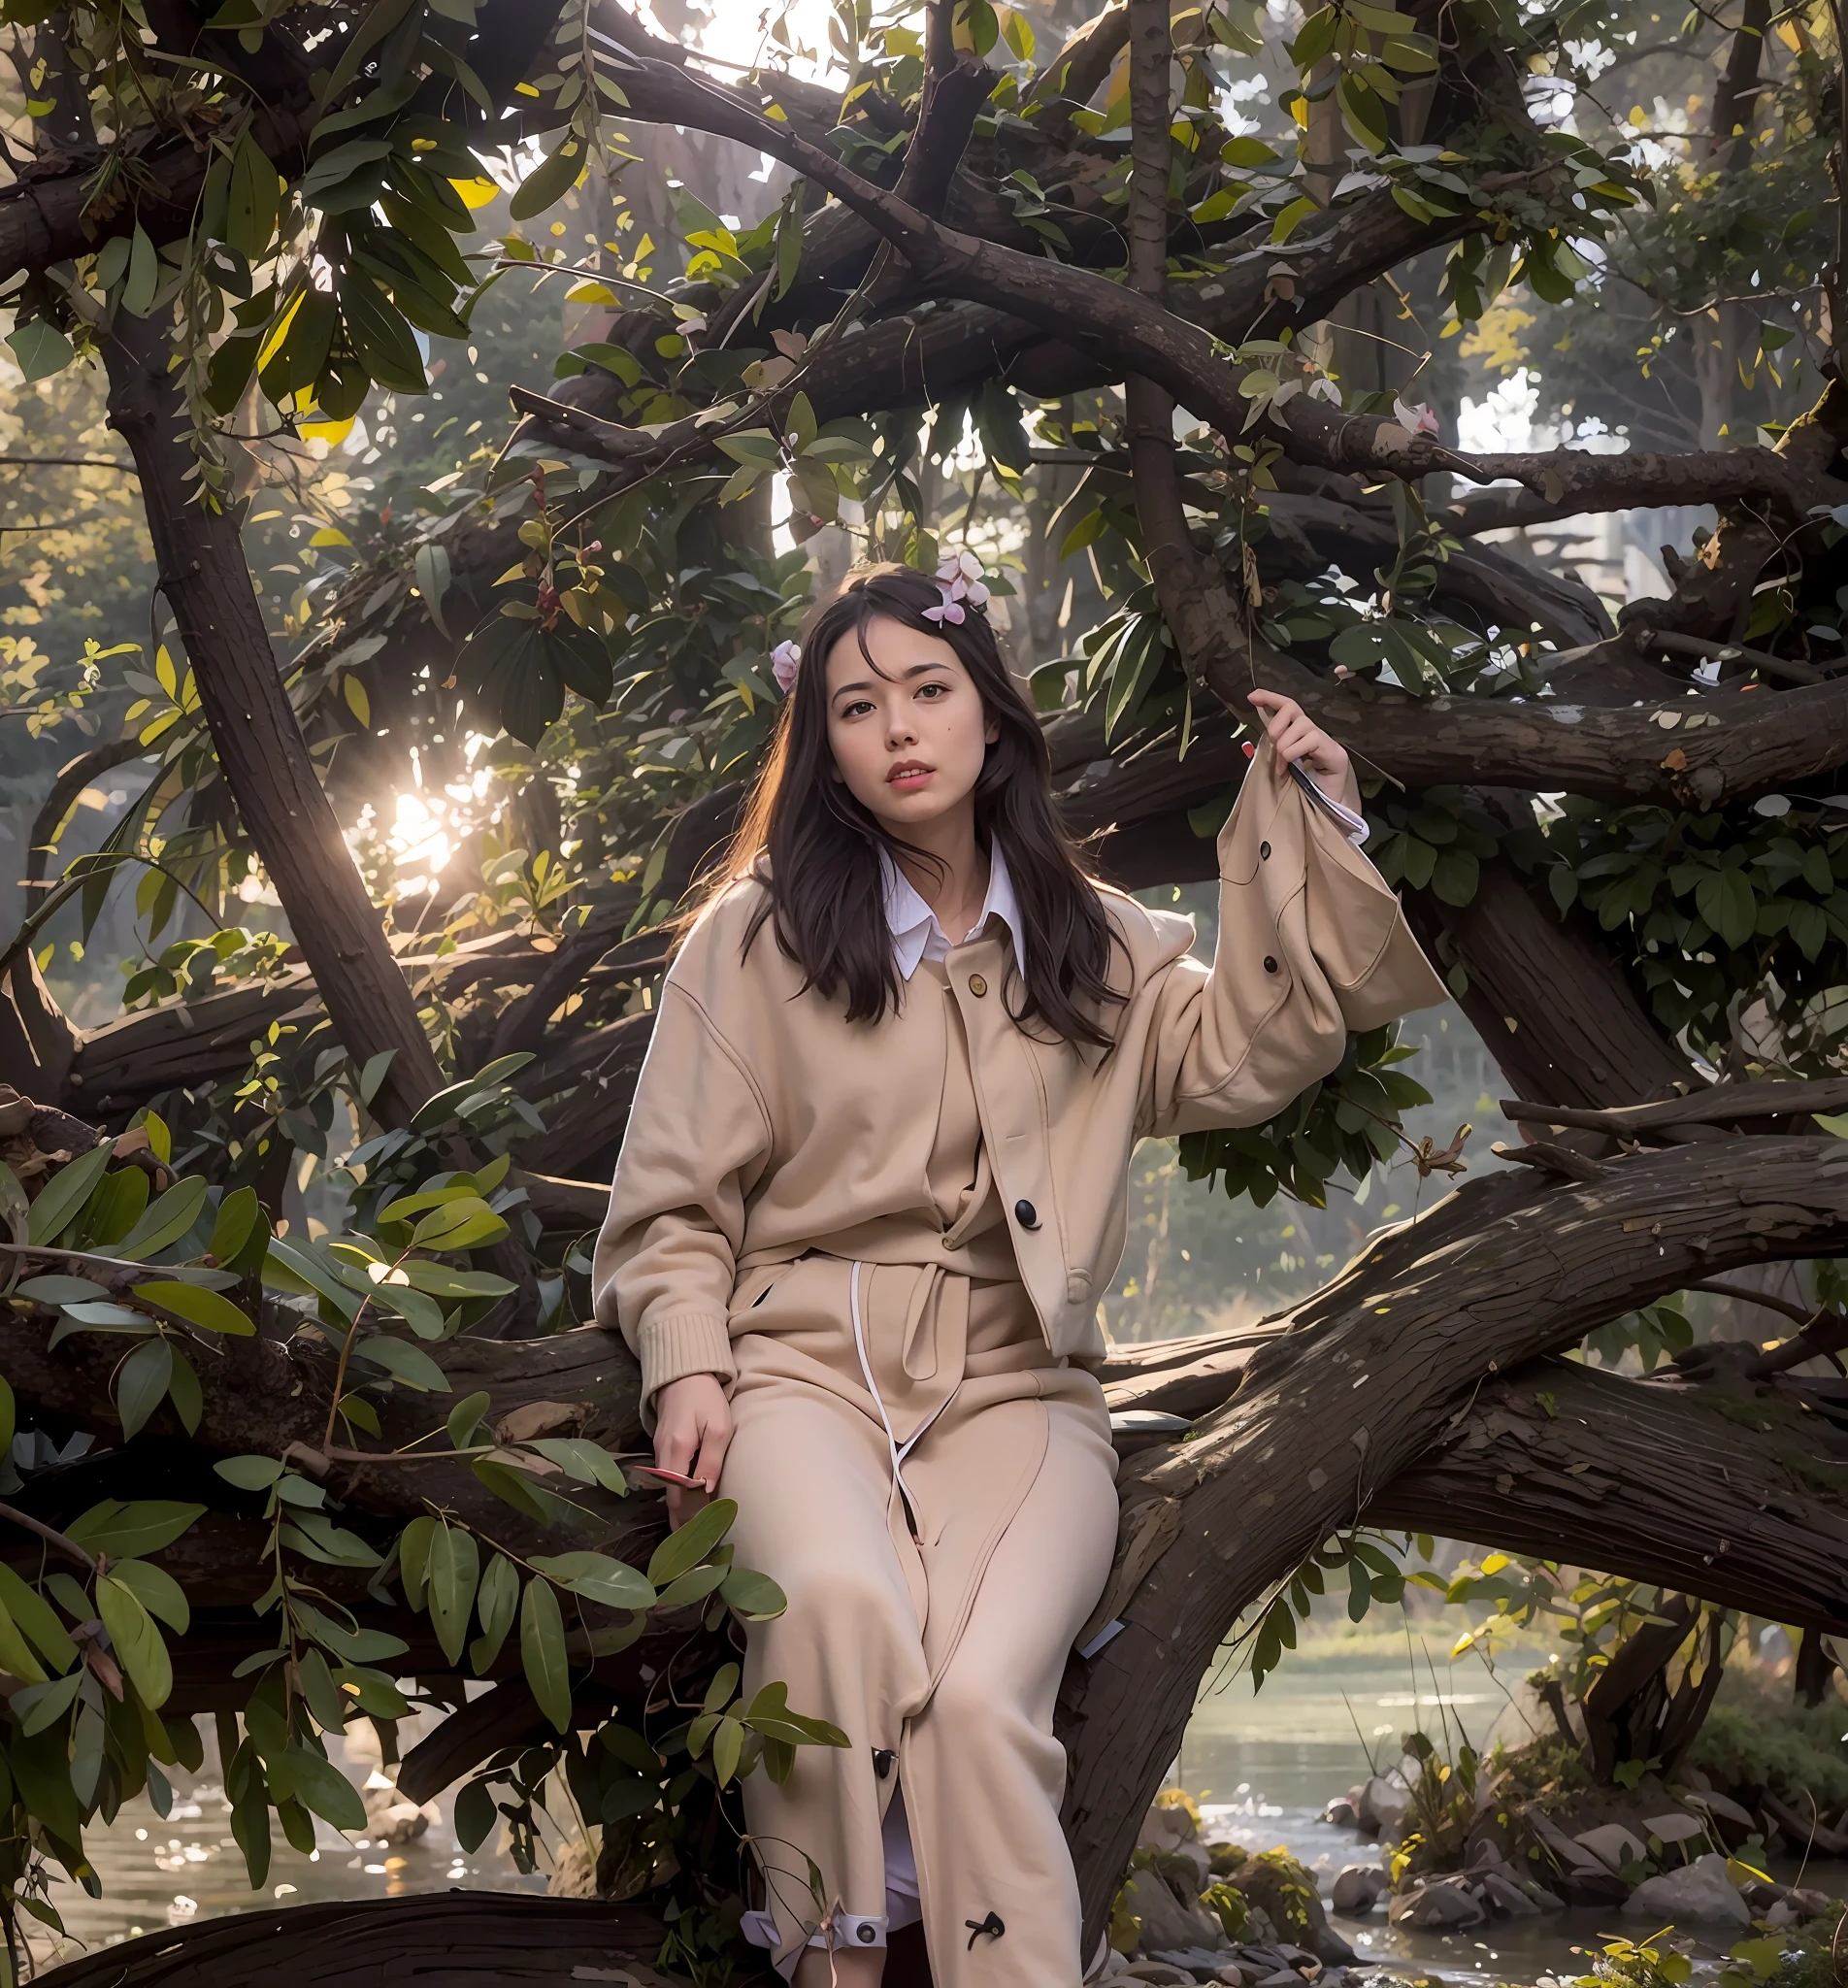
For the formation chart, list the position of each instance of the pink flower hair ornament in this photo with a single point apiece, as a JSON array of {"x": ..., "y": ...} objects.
[
  {"x": 959, "y": 576},
  {"x": 785, "y": 659}
]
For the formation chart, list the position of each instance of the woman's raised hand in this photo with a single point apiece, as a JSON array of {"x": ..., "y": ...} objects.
[
  {"x": 692, "y": 1430},
  {"x": 1296, "y": 736}
]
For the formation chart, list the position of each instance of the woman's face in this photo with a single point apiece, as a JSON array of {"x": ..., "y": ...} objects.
[{"x": 908, "y": 731}]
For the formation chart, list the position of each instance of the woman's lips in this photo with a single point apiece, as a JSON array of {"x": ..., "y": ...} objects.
[{"x": 908, "y": 775}]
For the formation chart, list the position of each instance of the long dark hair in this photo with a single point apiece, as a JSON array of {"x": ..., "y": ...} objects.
[{"x": 817, "y": 849}]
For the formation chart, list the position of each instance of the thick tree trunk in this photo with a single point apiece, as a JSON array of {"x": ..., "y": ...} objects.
[
  {"x": 1494, "y": 1275},
  {"x": 261, "y": 752}
]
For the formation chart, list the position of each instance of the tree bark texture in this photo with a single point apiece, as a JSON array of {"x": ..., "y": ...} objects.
[{"x": 261, "y": 747}]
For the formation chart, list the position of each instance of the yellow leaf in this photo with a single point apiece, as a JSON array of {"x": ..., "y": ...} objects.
[
  {"x": 333, "y": 433},
  {"x": 475, "y": 192},
  {"x": 357, "y": 702},
  {"x": 272, "y": 344},
  {"x": 590, "y": 293},
  {"x": 331, "y": 534}
]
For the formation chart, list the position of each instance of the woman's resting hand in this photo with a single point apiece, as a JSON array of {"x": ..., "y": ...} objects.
[{"x": 693, "y": 1426}]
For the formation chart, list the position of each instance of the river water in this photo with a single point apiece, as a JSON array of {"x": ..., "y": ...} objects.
[{"x": 1261, "y": 1767}]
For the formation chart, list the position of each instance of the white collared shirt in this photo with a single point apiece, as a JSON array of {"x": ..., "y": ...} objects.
[{"x": 917, "y": 936}]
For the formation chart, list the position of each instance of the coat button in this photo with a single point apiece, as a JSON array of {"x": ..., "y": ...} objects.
[
  {"x": 866, "y": 1934},
  {"x": 1270, "y": 965},
  {"x": 1264, "y": 851},
  {"x": 977, "y": 986},
  {"x": 1025, "y": 1215}
]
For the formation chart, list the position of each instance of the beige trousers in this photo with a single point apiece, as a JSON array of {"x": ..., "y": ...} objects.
[{"x": 942, "y": 1537}]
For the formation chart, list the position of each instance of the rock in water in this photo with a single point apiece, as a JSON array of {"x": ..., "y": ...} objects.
[
  {"x": 1285, "y": 1891},
  {"x": 1358, "y": 1888},
  {"x": 1445, "y": 1901},
  {"x": 1383, "y": 1804},
  {"x": 1508, "y": 1898},
  {"x": 1612, "y": 1844},
  {"x": 393, "y": 1818},
  {"x": 1701, "y": 1894},
  {"x": 1168, "y": 1924}
]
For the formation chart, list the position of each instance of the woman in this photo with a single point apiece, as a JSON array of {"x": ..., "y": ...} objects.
[{"x": 872, "y": 1187}]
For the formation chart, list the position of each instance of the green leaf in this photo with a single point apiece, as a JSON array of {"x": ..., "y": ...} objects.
[
  {"x": 44, "y": 1704},
  {"x": 64, "y": 1197},
  {"x": 231, "y": 1229},
  {"x": 144, "y": 274},
  {"x": 685, "y": 1550},
  {"x": 465, "y": 1419},
  {"x": 496, "y": 1602},
  {"x": 1725, "y": 899},
  {"x": 728, "y": 1744},
  {"x": 156, "y": 1590},
  {"x": 599, "y": 1578},
  {"x": 249, "y": 1472},
  {"x": 255, "y": 189},
  {"x": 141, "y": 1383},
  {"x": 301, "y": 1775},
  {"x": 586, "y": 1461},
  {"x": 414, "y": 1559},
  {"x": 210, "y": 1310},
  {"x": 60, "y": 1290},
  {"x": 315, "y": 1534},
  {"x": 692, "y": 1586},
  {"x": 441, "y": 1281},
  {"x": 460, "y": 1225},
  {"x": 185, "y": 1392},
  {"x": 380, "y": 335},
  {"x": 475, "y": 1815},
  {"x": 349, "y": 1645},
  {"x": 419, "y": 1312},
  {"x": 134, "y": 1639},
  {"x": 41, "y": 348},
  {"x": 453, "y": 1575},
  {"x": 13, "y": 1209},
  {"x": 548, "y": 183},
  {"x": 16, "y": 1654},
  {"x": 543, "y": 1652},
  {"x": 513, "y": 1487},
  {"x": 36, "y": 1619},
  {"x": 331, "y": 1709},
  {"x": 288, "y": 1266},
  {"x": 130, "y": 1531},
  {"x": 754, "y": 1596},
  {"x": 167, "y": 1219},
  {"x": 409, "y": 1365}
]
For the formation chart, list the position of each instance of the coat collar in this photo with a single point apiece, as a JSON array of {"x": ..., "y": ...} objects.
[{"x": 915, "y": 933}]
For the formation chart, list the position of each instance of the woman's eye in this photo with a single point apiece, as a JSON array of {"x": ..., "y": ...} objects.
[
  {"x": 934, "y": 691},
  {"x": 857, "y": 709}
]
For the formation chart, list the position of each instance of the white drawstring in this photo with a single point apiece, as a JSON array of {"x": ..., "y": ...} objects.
[{"x": 900, "y": 1450}]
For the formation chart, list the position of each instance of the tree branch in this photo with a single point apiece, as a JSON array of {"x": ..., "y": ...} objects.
[{"x": 1660, "y": 1482}]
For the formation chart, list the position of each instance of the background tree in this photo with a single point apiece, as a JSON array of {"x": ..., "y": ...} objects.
[{"x": 1170, "y": 317}]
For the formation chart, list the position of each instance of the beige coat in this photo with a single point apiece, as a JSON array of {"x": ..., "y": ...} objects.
[{"x": 764, "y": 1126}]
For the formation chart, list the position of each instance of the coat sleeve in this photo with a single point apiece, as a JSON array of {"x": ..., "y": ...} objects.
[
  {"x": 1312, "y": 944},
  {"x": 696, "y": 1140}
]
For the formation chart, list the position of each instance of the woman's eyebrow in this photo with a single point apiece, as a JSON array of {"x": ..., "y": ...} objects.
[{"x": 866, "y": 683}]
